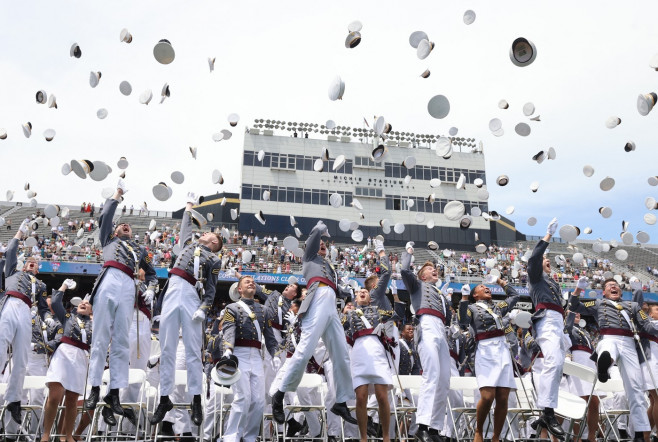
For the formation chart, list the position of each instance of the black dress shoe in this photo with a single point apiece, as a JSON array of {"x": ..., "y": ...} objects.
[
  {"x": 603, "y": 363},
  {"x": 293, "y": 428},
  {"x": 167, "y": 430},
  {"x": 108, "y": 416},
  {"x": 277, "y": 408},
  {"x": 92, "y": 400},
  {"x": 15, "y": 410},
  {"x": 163, "y": 407},
  {"x": 129, "y": 414},
  {"x": 550, "y": 423},
  {"x": 340, "y": 409},
  {"x": 197, "y": 411},
  {"x": 372, "y": 428},
  {"x": 112, "y": 401},
  {"x": 422, "y": 435}
]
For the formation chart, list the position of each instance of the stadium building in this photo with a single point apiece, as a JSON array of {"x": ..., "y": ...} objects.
[{"x": 283, "y": 181}]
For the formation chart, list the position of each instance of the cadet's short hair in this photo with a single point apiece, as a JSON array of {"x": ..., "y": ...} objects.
[
  {"x": 427, "y": 264},
  {"x": 371, "y": 282}
]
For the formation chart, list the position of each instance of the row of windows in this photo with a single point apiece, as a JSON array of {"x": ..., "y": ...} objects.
[
  {"x": 292, "y": 162},
  {"x": 445, "y": 174},
  {"x": 422, "y": 205},
  {"x": 367, "y": 191},
  {"x": 293, "y": 194},
  {"x": 366, "y": 162}
]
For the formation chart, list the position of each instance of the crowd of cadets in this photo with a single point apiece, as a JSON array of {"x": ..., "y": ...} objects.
[{"x": 273, "y": 338}]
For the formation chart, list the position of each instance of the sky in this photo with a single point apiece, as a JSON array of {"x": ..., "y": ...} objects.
[{"x": 276, "y": 60}]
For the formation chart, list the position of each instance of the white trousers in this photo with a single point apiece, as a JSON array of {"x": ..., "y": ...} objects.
[
  {"x": 550, "y": 338},
  {"x": 321, "y": 321},
  {"x": 131, "y": 394},
  {"x": 178, "y": 306},
  {"x": 249, "y": 397},
  {"x": 456, "y": 398},
  {"x": 622, "y": 350},
  {"x": 435, "y": 360},
  {"x": 113, "y": 311},
  {"x": 15, "y": 330}
]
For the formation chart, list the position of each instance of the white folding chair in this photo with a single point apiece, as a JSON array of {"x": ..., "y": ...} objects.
[
  {"x": 408, "y": 388},
  {"x": 311, "y": 381},
  {"x": 586, "y": 374},
  {"x": 525, "y": 409},
  {"x": 180, "y": 379},
  {"x": 221, "y": 409},
  {"x": 571, "y": 407},
  {"x": 611, "y": 387},
  {"x": 28, "y": 411},
  {"x": 467, "y": 385},
  {"x": 137, "y": 377}
]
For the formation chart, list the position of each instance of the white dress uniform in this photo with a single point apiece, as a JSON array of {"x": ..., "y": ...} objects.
[
  {"x": 432, "y": 309},
  {"x": 184, "y": 296},
  {"x": 618, "y": 322},
  {"x": 243, "y": 324},
  {"x": 320, "y": 320},
  {"x": 22, "y": 290},
  {"x": 113, "y": 299}
]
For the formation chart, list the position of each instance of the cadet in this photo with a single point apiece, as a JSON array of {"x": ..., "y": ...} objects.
[
  {"x": 23, "y": 288},
  {"x": 494, "y": 368},
  {"x": 548, "y": 322},
  {"x": 243, "y": 324},
  {"x": 618, "y": 324},
  {"x": 113, "y": 297},
  {"x": 189, "y": 296},
  {"x": 320, "y": 320},
  {"x": 433, "y": 313}
]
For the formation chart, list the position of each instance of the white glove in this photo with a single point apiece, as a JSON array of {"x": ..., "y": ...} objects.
[
  {"x": 154, "y": 359},
  {"x": 635, "y": 284},
  {"x": 322, "y": 227},
  {"x": 379, "y": 246},
  {"x": 156, "y": 318},
  {"x": 199, "y": 316},
  {"x": 23, "y": 227},
  {"x": 552, "y": 227},
  {"x": 583, "y": 282},
  {"x": 32, "y": 345},
  {"x": 228, "y": 352},
  {"x": 148, "y": 296},
  {"x": 290, "y": 317},
  {"x": 49, "y": 322},
  {"x": 70, "y": 284},
  {"x": 192, "y": 198},
  {"x": 466, "y": 290},
  {"x": 445, "y": 287},
  {"x": 513, "y": 314},
  {"x": 410, "y": 247},
  {"x": 394, "y": 287},
  {"x": 121, "y": 185},
  {"x": 276, "y": 363}
]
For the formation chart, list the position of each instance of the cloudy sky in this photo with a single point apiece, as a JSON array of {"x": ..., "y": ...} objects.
[{"x": 276, "y": 60}]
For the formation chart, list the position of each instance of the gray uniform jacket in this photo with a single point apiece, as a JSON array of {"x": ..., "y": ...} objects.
[
  {"x": 276, "y": 326},
  {"x": 580, "y": 338},
  {"x": 45, "y": 338},
  {"x": 425, "y": 298},
  {"x": 355, "y": 327},
  {"x": 209, "y": 262},
  {"x": 378, "y": 294},
  {"x": 409, "y": 359},
  {"x": 120, "y": 250},
  {"x": 239, "y": 329},
  {"x": 22, "y": 282},
  {"x": 72, "y": 323},
  {"x": 544, "y": 291},
  {"x": 482, "y": 321},
  {"x": 645, "y": 338},
  {"x": 315, "y": 266}
]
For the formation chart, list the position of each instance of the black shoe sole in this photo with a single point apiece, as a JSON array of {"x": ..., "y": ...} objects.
[
  {"x": 108, "y": 417},
  {"x": 154, "y": 421},
  {"x": 602, "y": 365}
]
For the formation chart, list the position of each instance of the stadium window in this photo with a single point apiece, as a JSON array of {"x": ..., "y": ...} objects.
[
  {"x": 290, "y": 195},
  {"x": 396, "y": 204},
  {"x": 348, "y": 167},
  {"x": 267, "y": 159},
  {"x": 388, "y": 170},
  {"x": 347, "y": 197},
  {"x": 246, "y": 191},
  {"x": 324, "y": 198},
  {"x": 307, "y": 196},
  {"x": 315, "y": 197},
  {"x": 248, "y": 158},
  {"x": 442, "y": 173},
  {"x": 435, "y": 172},
  {"x": 450, "y": 177}
]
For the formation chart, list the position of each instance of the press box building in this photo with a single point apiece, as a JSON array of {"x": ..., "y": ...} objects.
[{"x": 287, "y": 172}]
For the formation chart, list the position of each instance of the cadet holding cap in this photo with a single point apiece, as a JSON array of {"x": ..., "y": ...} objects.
[
  {"x": 68, "y": 368},
  {"x": 244, "y": 322},
  {"x": 548, "y": 323},
  {"x": 433, "y": 311},
  {"x": 320, "y": 320},
  {"x": 114, "y": 297},
  {"x": 189, "y": 296},
  {"x": 22, "y": 290}
]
